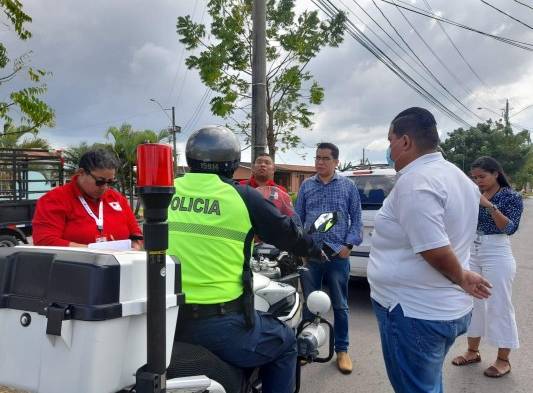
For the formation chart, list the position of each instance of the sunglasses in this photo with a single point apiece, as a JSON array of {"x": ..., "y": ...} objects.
[{"x": 100, "y": 182}]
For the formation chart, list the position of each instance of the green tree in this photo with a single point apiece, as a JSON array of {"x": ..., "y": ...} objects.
[
  {"x": 34, "y": 112},
  {"x": 13, "y": 139},
  {"x": 125, "y": 142},
  {"x": 225, "y": 64},
  {"x": 493, "y": 139},
  {"x": 524, "y": 177}
]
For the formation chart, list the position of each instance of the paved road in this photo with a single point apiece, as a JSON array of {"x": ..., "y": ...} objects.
[{"x": 369, "y": 375}]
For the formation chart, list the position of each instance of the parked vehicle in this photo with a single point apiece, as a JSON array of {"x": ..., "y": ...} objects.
[
  {"x": 374, "y": 183},
  {"x": 25, "y": 175}
]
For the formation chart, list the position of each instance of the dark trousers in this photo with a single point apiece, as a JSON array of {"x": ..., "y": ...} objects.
[
  {"x": 269, "y": 346},
  {"x": 336, "y": 275}
]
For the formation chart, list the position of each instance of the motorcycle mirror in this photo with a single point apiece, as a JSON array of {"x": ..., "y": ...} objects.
[
  {"x": 318, "y": 303},
  {"x": 324, "y": 222}
]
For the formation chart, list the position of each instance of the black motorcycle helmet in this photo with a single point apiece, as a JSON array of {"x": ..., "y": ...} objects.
[{"x": 213, "y": 149}]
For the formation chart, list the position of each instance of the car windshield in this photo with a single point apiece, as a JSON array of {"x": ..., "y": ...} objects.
[{"x": 373, "y": 188}]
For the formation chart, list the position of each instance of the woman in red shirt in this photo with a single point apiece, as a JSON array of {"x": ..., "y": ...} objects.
[{"x": 87, "y": 209}]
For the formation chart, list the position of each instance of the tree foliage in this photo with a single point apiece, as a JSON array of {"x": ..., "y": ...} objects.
[
  {"x": 22, "y": 138},
  {"x": 34, "y": 112},
  {"x": 492, "y": 139},
  {"x": 224, "y": 63},
  {"x": 524, "y": 178}
]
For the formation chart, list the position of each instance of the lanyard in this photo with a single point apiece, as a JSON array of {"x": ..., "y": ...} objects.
[{"x": 98, "y": 220}]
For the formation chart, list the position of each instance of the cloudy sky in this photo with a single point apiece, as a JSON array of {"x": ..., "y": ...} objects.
[{"x": 108, "y": 58}]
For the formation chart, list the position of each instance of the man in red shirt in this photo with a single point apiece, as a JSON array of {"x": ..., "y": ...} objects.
[
  {"x": 86, "y": 210},
  {"x": 263, "y": 173}
]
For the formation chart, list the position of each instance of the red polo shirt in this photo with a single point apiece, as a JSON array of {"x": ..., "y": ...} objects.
[
  {"x": 60, "y": 217},
  {"x": 253, "y": 183}
]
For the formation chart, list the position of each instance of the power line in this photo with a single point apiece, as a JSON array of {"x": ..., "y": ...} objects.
[
  {"x": 194, "y": 117},
  {"x": 506, "y": 14},
  {"x": 519, "y": 44},
  {"x": 201, "y": 111},
  {"x": 183, "y": 79},
  {"x": 419, "y": 60},
  {"x": 455, "y": 46},
  {"x": 330, "y": 9},
  {"x": 382, "y": 29},
  {"x": 442, "y": 27},
  {"x": 441, "y": 62},
  {"x": 180, "y": 61},
  {"x": 525, "y": 5},
  {"x": 430, "y": 83}
]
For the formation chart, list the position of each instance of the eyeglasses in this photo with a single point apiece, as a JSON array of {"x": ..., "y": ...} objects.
[
  {"x": 323, "y": 159},
  {"x": 100, "y": 182}
]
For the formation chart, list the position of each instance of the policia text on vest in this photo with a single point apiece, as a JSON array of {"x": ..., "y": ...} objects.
[{"x": 197, "y": 205}]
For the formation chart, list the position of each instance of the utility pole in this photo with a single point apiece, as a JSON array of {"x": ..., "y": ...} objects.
[
  {"x": 259, "y": 79},
  {"x": 506, "y": 116},
  {"x": 175, "y": 129}
]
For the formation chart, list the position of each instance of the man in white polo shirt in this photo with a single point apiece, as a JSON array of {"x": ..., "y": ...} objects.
[{"x": 420, "y": 284}]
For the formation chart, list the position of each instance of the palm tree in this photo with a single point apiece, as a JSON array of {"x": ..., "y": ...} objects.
[
  {"x": 72, "y": 155},
  {"x": 10, "y": 139},
  {"x": 126, "y": 140}
]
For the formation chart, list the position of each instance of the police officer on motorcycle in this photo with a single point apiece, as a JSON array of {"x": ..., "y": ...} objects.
[{"x": 212, "y": 221}]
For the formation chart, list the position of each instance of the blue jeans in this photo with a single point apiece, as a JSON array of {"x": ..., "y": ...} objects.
[
  {"x": 335, "y": 274},
  {"x": 414, "y": 349},
  {"x": 269, "y": 346}
]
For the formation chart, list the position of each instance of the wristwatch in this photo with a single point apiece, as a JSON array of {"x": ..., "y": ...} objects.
[{"x": 350, "y": 246}]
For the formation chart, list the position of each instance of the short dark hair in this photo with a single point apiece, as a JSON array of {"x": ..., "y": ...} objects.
[
  {"x": 98, "y": 159},
  {"x": 420, "y": 125},
  {"x": 327, "y": 145},
  {"x": 491, "y": 165},
  {"x": 263, "y": 155}
]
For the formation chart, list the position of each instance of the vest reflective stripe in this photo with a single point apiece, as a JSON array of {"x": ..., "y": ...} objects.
[
  {"x": 207, "y": 230},
  {"x": 208, "y": 227}
]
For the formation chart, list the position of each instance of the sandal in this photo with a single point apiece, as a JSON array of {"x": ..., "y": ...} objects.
[
  {"x": 493, "y": 372},
  {"x": 462, "y": 361}
]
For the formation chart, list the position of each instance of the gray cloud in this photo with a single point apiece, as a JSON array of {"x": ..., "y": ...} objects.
[{"x": 109, "y": 57}]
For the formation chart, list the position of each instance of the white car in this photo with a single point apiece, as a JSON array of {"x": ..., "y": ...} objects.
[{"x": 373, "y": 183}]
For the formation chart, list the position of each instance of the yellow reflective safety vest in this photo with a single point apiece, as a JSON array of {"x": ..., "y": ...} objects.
[{"x": 210, "y": 232}]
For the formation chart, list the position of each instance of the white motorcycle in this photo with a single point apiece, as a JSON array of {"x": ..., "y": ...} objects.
[{"x": 75, "y": 320}]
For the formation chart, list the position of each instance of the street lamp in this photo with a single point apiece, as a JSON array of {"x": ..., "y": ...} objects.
[
  {"x": 174, "y": 130},
  {"x": 505, "y": 114},
  {"x": 490, "y": 110}
]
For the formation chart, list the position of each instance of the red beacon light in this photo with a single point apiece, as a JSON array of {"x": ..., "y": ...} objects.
[{"x": 154, "y": 165}]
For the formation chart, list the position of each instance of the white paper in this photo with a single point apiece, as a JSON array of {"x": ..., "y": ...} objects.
[{"x": 115, "y": 245}]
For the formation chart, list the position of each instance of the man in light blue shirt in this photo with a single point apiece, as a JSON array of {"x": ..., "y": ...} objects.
[{"x": 326, "y": 192}]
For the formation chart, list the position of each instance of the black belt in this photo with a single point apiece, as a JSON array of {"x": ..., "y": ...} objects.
[{"x": 197, "y": 311}]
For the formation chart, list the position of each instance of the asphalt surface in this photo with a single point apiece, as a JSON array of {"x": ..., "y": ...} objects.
[{"x": 369, "y": 375}]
